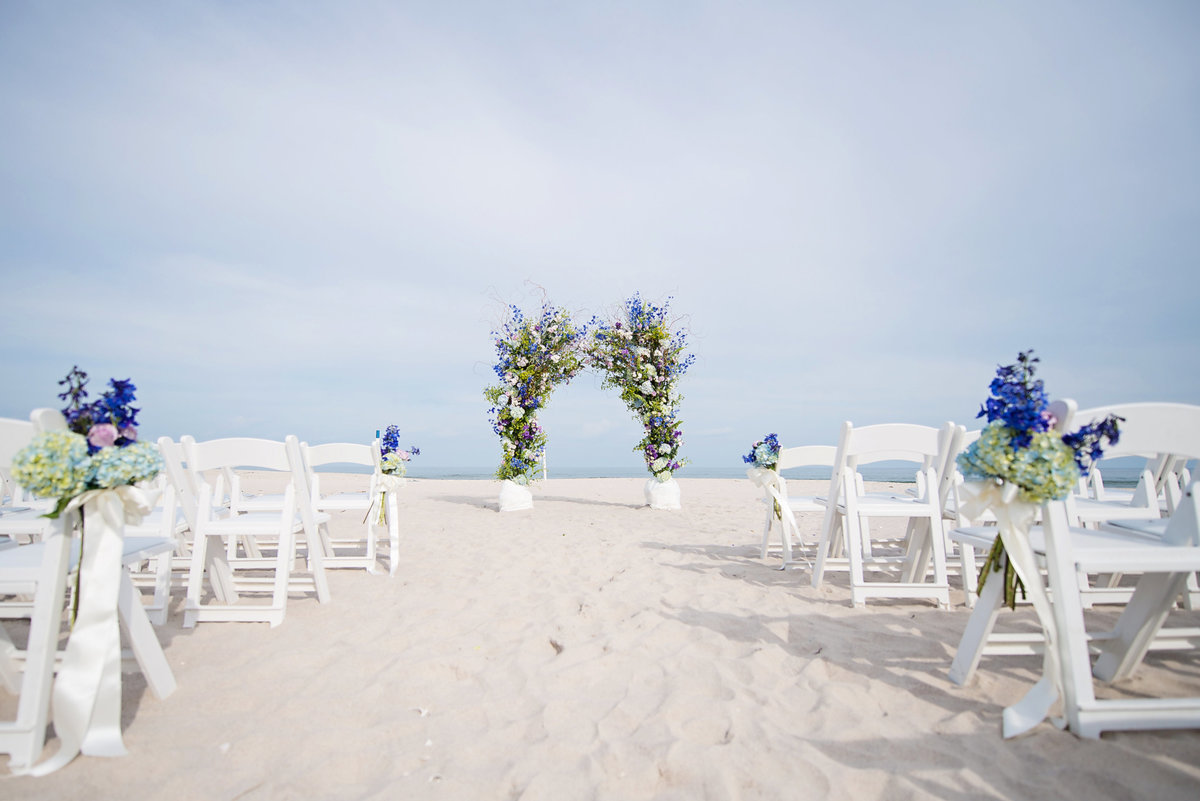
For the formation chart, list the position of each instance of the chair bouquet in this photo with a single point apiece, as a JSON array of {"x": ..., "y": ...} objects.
[
  {"x": 98, "y": 450},
  {"x": 764, "y": 455},
  {"x": 1022, "y": 459},
  {"x": 393, "y": 466},
  {"x": 91, "y": 467}
]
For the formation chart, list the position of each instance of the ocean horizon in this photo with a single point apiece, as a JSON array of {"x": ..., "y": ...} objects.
[{"x": 1113, "y": 476}]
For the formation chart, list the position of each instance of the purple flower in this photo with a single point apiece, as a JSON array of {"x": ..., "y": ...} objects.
[{"x": 103, "y": 435}]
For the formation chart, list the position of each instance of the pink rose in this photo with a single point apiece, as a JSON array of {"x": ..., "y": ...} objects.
[
  {"x": 129, "y": 433},
  {"x": 103, "y": 435}
]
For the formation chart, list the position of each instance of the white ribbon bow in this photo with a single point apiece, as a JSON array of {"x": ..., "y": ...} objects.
[{"x": 385, "y": 483}]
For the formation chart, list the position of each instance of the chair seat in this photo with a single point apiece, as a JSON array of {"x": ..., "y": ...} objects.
[
  {"x": 984, "y": 536},
  {"x": 23, "y": 520},
  {"x": 886, "y": 505},
  {"x": 1151, "y": 528},
  {"x": 1090, "y": 509},
  {"x": 25, "y": 560},
  {"x": 802, "y": 503},
  {"x": 345, "y": 500}
]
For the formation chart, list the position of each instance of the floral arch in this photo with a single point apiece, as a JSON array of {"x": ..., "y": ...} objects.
[{"x": 637, "y": 354}]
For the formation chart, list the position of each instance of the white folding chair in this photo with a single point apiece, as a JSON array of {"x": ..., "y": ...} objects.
[
  {"x": 1172, "y": 428},
  {"x": 903, "y": 565},
  {"x": 1164, "y": 566},
  {"x": 359, "y": 455},
  {"x": 14, "y": 435},
  {"x": 231, "y": 551},
  {"x": 40, "y": 570},
  {"x": 45, "y": 579},
  {"x": 776, "y": 495},
  {"x": 1146, "y": 427},
  {"x": 28, "y": 524}
]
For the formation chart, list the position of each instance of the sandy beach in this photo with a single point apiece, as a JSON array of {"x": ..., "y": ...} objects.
[{"x": 595, "y": 648}]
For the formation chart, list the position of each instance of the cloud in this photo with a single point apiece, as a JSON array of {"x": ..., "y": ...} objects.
[{"x": 306, "y": 218}]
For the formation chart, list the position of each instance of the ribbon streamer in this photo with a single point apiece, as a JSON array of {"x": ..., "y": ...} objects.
[
  {"x": 1014, "y": 518},
  {"x": 86, "y": 702}
]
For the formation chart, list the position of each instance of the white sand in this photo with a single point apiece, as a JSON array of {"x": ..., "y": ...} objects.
[{"x": 595, "y": 648}]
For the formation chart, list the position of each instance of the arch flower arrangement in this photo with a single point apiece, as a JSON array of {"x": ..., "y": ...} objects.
[
  {"x": 641, "y": 357},
  {"x": 533, "y": 356}
]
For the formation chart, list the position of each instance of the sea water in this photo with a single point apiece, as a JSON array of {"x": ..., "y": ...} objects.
[{"x": 1116, "y": 476}]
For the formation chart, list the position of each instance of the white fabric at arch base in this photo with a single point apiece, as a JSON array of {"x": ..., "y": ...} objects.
[
  {"x": 86, "y": 702},
  {"x": 1014, "y": 519},
  {"x": 662, "y": 494},
  {"x": 514, "y": 497}
]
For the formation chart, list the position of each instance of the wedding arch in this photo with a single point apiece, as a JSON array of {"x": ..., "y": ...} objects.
[{"x": 637, "y": 354}]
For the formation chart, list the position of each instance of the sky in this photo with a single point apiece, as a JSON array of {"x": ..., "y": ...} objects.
[{"x": 308, "y": 217}]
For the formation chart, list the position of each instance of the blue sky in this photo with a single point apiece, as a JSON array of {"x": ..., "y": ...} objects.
[{"x": 288, "y": 217}]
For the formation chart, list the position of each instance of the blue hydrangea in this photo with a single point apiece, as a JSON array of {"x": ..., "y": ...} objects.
[
  {"x": 764, "y": 453},
  {"x": 1044, "y": 470},
  {"x": 115, "y": 467}
]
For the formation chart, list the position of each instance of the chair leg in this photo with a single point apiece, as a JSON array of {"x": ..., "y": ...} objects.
[
  {"x": 766, "y": 537},
  {"x": 142, "y": 639},
  {"x": 854, "y": 547},
  {"x": 970, "y": 574},
  {"x": 828, "y": 533},
  {"x": 393, "y": 522},
  {"x": 1138, "y": 625},
  {"x": 979, "y": 629},
  {"x": 24, "y": 738}
]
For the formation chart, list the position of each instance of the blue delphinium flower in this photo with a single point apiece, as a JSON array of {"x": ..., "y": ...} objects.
[
  {"x": 1087, "y": 440},
  {"x": 1018, "y": 399},
  {"x": 392, "y": 457}
]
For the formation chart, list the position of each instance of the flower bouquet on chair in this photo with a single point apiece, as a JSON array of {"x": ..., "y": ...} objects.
[
  {"x": 764, "y": 458},
  {"x": 91, "y": 469},
  {"x": 1022, "y": 459},
  {"x": 393, "y": 467}
]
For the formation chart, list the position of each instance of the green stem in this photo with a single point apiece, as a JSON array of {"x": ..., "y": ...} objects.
[
  {"x": 78, "y": 574},
  {"x": 997, "y": 561}
]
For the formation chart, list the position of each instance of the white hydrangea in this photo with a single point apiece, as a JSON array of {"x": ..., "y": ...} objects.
[
  {"x": 517, "y": 412},
  {"x": 646, "y": 388}
]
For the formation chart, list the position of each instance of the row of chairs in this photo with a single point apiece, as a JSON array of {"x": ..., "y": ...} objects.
[
  {"x": 911, "y": 566},
  {"x": 1082, "y": 549},
  {"x": 235, "y": 556},
  {"x": 844, "y": 541}
]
